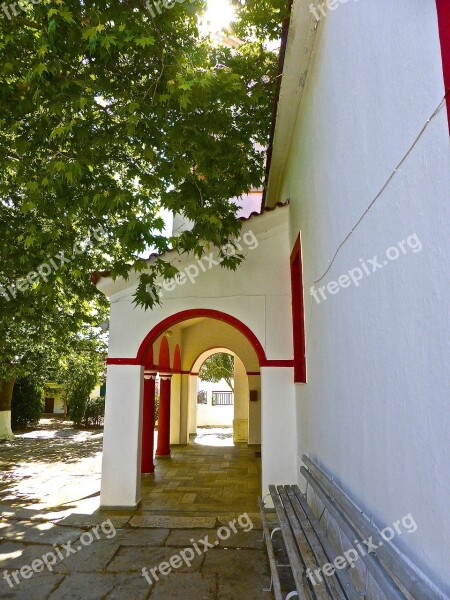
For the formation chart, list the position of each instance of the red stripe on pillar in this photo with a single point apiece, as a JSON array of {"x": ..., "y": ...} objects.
[
  {"x": 148, "y": 426},
  {"x": 164, "y": 356},
  {"x": 298, "y": 317},
  {"x": 443, "y": 11},
  {"x": 123, "y": 361},
  {"x": 177, "y": 360},
  {"x": 163, "y": 448}
]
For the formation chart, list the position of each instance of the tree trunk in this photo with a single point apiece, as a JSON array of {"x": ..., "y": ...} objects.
[
  {"x": 230, "y": 382},
  {"x": 6, "y": 391}
]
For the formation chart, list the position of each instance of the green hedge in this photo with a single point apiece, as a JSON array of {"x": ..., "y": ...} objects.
[
  {"x": 27, "y": 404},
  {"x": 95, "y": 412}
]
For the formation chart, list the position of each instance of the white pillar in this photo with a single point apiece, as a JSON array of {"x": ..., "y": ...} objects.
[
  {"x": 254, "y": 417},
  {"x": 193, "y": 381},
  {"x": 175, "y": 409},
  {"x": 279, "y": 427},
  {"x": 184, "y": 409},
  {"x": 241, "y": 402},
  {"x": 121, "y": 472}
]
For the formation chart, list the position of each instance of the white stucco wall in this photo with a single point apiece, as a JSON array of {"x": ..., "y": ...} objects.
[
  {"x": 207, "y": 414},
  {"x": 375, "y": 410},
  {"x": 122, "y": 439},
  {"x": 259, "y": 289},
  {"x": 59, "y": 405},
  {"x": 278, "y": 436}
]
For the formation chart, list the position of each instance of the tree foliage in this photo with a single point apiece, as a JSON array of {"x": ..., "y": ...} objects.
[
  {"x": 79, "y": 367},
  {"x": 107, "y": 116},
  {"x": 83, "y": 382},
  {"x": 94, "y": 412},
  {"x": 27, "y": 403},
  {"x": 217, "y": 367}
]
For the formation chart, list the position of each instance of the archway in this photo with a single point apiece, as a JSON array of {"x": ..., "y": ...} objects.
[
  {"x": 189, "y": 335},
  {"x": 222, "y": 402},
  {"x": 182, "y": 346}
]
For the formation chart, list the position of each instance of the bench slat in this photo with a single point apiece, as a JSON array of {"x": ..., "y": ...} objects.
[
  {"x": 342, "y": 575},
  {"x": 272, "y": 560},
  {"x": 372, "y": 562},
  {"x": 321, "y": 554},
  {"x": 411, "y": 580},
  {"x": 297, "y": 567},
  {"x": 320, "y": 589}
]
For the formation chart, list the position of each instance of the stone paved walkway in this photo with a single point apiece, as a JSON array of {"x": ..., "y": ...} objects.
[{"x": 49, "y": 487}]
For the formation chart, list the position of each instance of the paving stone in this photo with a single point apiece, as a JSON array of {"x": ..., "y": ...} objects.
[
  {"x": 142, "y": 537},
  {"x": 235, "y": 582},
  {"x": 227, "y": 562},
  {"x": 89, "y": 521},
  {"x": 39, "y": 533},
  {"x": 27, "y": 514},
  {"x": 37, "y": 587},
  {"x": 135, "y": 558},
  {"x": 192, "y": 586},
  {"x": 173, "y": 522},
  {"x": 244, "y": 539},
  {"x": 129, "y": 587},
  {"x": 14, "y": 555},
  {"x": 183, "y": 537},
  {"x": 242, "y": 586},
  {"x": 191, "y": 494},
  {"x": 90, "y": 558},
  {"x": 84, "y": 586}
]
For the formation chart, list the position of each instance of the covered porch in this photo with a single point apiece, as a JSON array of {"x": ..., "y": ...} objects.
[
  {"x": 246, "y": 313},
  {"x": 211, "y": 476}
]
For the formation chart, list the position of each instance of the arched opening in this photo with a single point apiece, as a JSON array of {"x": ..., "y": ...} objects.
[
  {"x": 178, "y": 348},
  {"x": 222, "y": 417},
  {"x": 129, "y": 428},
  {"x": 200, "y": 314}
]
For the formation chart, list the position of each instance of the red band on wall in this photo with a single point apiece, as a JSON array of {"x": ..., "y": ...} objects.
[{"x": 443, "y": 11}]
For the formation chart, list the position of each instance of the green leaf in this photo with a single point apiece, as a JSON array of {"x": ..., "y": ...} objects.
[
  {"x": 40, "y": 68},
  {"x": 145, "y": 41}
]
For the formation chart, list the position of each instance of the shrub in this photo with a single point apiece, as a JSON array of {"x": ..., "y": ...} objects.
[
  {"x": 27, "y": 403},
  {"x": 94, "y": 412},
  {"x": 79, "y": 396}
]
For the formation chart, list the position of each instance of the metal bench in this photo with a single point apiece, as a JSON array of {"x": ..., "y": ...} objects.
[{"x": 308, "y": 548}]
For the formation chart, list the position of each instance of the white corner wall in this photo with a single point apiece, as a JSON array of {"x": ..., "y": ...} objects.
[
  {"x": 278, "y": 427},
  {"x": 121, "y": 463},
  {"x": 375, "y": 410}
]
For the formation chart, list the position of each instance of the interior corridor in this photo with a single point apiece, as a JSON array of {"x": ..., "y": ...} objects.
[{"x": 210, "y": 476}]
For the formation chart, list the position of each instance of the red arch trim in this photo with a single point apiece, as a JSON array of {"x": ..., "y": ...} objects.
[
  {"x": 212, "y": 314},
  {"x": 203, "y": 352},
  {"x": 177, "y": 360},
  {"x": 159, "y": 329},
  {"x": 164, "y": 355},
  {"x": 443, "y": 12}
]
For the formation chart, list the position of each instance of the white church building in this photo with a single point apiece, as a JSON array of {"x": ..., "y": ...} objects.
[{"x": 338, "y": 317}]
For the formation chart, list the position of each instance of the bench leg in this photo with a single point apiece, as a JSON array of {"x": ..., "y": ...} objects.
[
  {"x": 271, "y": 585},
  {"x": 292, "y": 595}
]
